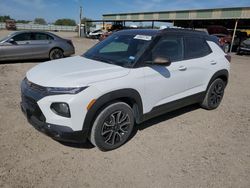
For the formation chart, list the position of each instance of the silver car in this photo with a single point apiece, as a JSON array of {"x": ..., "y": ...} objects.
[{"x": 34, "y": 45}]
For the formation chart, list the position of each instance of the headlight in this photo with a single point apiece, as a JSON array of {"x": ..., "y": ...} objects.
[
  {"x": 61, "y": 108},
  {"x": 243, "y": 44},
  {"x": 52, "y": 90},
  {"x": 63, "y": 90}
]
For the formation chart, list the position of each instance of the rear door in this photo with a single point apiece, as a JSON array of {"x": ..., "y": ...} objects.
[
  {"x": 41, "y": 43},
  {"x": 199, "y": 63}
]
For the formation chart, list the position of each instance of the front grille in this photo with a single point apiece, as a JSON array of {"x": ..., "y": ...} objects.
[{"x": 32, "y": 108}]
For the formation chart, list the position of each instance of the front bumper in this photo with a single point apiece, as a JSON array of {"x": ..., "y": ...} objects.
[
  {"x": 36, "y": 118},
  {"x": 244, "y": 49}
]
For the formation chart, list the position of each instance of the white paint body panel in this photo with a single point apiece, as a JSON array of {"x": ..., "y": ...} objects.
[{"x": 156, "y": 85}]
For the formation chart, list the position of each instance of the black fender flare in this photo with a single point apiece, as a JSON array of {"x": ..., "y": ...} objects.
[
  {"x": 129, "y": 94},
  {"x": 221, "y": 73}
]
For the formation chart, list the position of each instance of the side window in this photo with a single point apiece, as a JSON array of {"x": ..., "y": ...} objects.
[
  {"x": 196, "y": 47},
  {"x": 22, "y": 37},
  {"x": 169, "y": 47},
  {"x": 42, "y": 36}
]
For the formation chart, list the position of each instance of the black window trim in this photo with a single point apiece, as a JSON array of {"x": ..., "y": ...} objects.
[
  {"x": 205, "y": 42},
  {"x": 50, "y": 37}
]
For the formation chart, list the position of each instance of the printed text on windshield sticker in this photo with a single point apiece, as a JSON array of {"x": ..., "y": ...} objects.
[{"x": 143, "y": 37}]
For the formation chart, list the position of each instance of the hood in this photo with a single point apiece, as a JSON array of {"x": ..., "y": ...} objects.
[
  {"x": 246, "y": 42},
  {"x": 73, "y": 72}
]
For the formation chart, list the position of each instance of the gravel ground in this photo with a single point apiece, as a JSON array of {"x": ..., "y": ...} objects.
[{"x": 190, "y": 147}]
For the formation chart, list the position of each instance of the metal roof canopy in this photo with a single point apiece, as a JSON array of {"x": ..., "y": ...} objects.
[
  {"x": 198, "y": 14},
  {"x": 229, "y": 17}
]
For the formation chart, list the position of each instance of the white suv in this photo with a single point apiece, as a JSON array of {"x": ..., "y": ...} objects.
[{"x": 130, "y": 77}]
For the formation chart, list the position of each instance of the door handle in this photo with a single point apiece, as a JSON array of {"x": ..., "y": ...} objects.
[
  {"x": 213, "y": 62},
  {"x": 182, "y": 68}
]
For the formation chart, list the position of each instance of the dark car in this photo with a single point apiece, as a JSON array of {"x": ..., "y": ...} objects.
[
  {"x": 244, "y": 47},
  {"x": 105, "y": 35},
  {"x": 239, "y": 37},
  {"x": 34, "y": 45},
  {"x": 223, "y": 34}
]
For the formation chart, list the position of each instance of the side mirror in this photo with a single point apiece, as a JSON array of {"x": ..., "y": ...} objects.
[{"x": 11, "y": 41}]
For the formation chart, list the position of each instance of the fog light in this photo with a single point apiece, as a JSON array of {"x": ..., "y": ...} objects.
[{"x": 61, "y": 108}]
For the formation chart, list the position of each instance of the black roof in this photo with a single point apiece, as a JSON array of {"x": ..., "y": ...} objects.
[{"x": 154, "y": 32}]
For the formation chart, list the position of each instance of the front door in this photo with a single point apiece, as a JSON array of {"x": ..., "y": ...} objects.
[
  {"x": 164, "y": 84},
  {"x": 19, "y": 47}
]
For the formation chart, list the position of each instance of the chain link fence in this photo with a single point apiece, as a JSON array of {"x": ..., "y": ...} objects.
[{"x": 21, "y": 26}]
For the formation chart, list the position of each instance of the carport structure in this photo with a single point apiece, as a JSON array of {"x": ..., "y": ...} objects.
[{"x": 232, "y": 18}]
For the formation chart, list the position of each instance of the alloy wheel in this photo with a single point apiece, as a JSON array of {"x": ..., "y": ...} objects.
[
  {"x": 116, "y": 127},
  {"x": 216, "y": 94}
]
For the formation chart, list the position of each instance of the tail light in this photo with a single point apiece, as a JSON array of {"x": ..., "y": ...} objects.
[
  {"x": 222, "y": 41},
  {"x": 70, "y": 42},
  {"x": 228, "y": 57}
]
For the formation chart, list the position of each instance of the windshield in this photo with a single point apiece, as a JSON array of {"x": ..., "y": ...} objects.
[
  {"x": 3, "y": 38},
  {"x": 6, "y": 37},
  {"x": 122, "y": 50}
]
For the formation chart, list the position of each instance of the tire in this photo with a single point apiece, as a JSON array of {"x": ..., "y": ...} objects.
[
  {"x": 226, "y": 48},
  {"x": 56, "y": 53},
  {"x": 112, "y": 127},
  {"x": 214, "y": 94},
  {"x": 238, "y": 51}
]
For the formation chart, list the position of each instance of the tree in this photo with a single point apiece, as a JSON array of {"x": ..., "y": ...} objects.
[
  {"x": 4, "y": 18},
  {"x": 65, "y": 21},
  {"x": 22, "y": 21},
  {"x": 40, "y": 21}
]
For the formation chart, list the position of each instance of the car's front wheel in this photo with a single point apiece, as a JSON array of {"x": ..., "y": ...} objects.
[
  {"x": 214, "y": 94},
  {"x": 239, "y": 51},
  {"x": 56, "y": 53},
  {"x": 112, "y": 127}
]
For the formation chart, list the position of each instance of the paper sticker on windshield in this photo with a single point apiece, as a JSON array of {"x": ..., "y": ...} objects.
[{"x": 143, "y": 37}]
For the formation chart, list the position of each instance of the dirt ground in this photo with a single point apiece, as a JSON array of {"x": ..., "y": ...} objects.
[{"x": 190, "y": 147}]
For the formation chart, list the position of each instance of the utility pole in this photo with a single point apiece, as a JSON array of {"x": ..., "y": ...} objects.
[
  {"x": 80, "y": 22},
  {"x": 235, "y": 28}
]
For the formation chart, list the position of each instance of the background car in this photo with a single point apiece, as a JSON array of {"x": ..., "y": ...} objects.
[
  {"x": 34, "y": 45},
  {"x": 105, "y": 35},
  {"x": 239, "y": 37},
  {"x": 244, "y": 47},
  {"x": 95, "y": 34},
  {"x": 223, "y": 34}
]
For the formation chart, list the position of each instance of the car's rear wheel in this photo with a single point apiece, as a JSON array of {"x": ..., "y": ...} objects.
[
  {"x": 112, "y": 127},
  {"x": 214, "y": 94},
  {"x": 226, "y": 48},
  {"x": 56, "y": 53}
]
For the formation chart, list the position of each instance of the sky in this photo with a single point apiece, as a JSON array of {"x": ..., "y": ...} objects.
[{"x": 51, "y": 10}]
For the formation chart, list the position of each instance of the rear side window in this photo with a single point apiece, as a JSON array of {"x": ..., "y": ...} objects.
[
  {"x": 196, "y": 47},
  {"x": 42, "y": 36}
]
